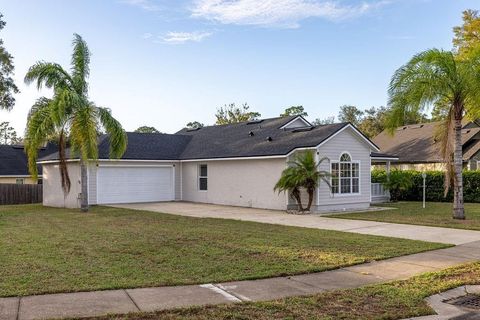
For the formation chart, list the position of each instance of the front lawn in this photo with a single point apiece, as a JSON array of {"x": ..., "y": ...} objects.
[
  {"x": 437, "y": 214},
  {"x": 394, "y": 300},
  {"x": 45, "y": 250}
]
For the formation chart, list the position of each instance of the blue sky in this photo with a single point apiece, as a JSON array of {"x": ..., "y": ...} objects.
[{"x": 163, "y": 63}]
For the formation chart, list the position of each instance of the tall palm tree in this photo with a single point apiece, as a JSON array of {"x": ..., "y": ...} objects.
[
  {"x": 69, "y": 117},
  {"x": 302, "y": 173},
  {"x": 436, "y": 76}
]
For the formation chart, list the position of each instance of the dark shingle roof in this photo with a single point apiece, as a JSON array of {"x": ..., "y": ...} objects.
[
  {"x": 13, "y": 160},
  {"x": 416, "y": 143},
  {"x": 142, "y": 146},
  {"x": 249, "y": 140},
  {"x": 259, "y": 138}
]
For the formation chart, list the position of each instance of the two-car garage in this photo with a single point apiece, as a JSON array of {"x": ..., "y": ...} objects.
[{"x": 132, "y": 183}]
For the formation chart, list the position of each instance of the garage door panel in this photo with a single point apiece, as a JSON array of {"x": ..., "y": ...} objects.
[{"x": 134, "y": 184}]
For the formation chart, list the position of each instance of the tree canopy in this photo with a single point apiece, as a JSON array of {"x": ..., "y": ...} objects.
[
  {"x": 350, "y": 114},
  {"x": 7, "y": 85},
  {"x": 8, "y": 135},
  {"x": 233, "y": 114},
  {"x": 194, "y": 125},
  {"x": 294, "y": 111},
  {"x": 146, "y": 129},
  {"x": 466, "y": 41}
]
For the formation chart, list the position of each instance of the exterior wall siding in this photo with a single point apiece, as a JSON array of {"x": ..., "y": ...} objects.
[
  {"x": 53, "y": 195},
  {"x": 346, "y": 141},
  {"x": 245, "y": 183}
]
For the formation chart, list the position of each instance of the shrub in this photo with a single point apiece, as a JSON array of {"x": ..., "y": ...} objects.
[
  {"x": 398, "y": 183},
  {"x": 434, "y": 185}
]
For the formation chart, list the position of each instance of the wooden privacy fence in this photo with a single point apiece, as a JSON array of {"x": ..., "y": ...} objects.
[{"x": 20, "y": 193}]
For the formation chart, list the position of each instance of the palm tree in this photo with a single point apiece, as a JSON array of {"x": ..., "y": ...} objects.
[
  {"x": 435, "y": 76},
  {"x": 302, "y": 173},
  {"x": 69, "y": 117}
]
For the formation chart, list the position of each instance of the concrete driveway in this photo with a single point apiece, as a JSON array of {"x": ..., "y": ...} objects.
[{"x": 201, "y": 210}]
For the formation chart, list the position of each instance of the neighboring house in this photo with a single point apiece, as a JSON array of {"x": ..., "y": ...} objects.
[
  {"x": 14, "y": 164},
  {"x": 235, "y": 164},
  {"x": 417, "y": 149}
]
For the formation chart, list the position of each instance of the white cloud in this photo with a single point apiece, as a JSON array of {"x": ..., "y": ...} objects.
[
  {"x": 183, "y": 37},
  {"x": 277, "y": 13},
  {"x": 147, "y": 5},
  {"x": 147, "y": 35}
]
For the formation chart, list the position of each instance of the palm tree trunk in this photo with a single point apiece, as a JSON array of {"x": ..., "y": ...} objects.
[
  {"x": 458, "y": 207},
  {"x": 84, "y": 196},
  {"x": 298, "y": 197},
  {"x": 310, "y": 199}
]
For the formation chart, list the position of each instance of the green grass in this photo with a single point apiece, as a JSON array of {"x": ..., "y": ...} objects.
[
  {"x": 394, "y": 300},
  {"x": 46, "y": 250},
  {"x": 437, "y": 214}
]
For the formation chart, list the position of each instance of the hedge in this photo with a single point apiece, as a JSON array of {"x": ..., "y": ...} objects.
[{"x": 434, "y": 185}]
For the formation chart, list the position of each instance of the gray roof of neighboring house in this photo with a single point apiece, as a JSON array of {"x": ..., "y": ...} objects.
[
  {"x": 13, "y": 160},
  {"x": 416, "y": 143},
  {"x": 246, "y": 139}
]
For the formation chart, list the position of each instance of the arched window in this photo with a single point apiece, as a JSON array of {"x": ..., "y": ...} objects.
[{"x": 345, "y": 175}]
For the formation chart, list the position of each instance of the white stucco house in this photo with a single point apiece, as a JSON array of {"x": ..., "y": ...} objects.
[{"x": 236, "y": 164}]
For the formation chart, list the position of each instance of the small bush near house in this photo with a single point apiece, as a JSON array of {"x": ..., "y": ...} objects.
[{"x": 434, "y": 185}]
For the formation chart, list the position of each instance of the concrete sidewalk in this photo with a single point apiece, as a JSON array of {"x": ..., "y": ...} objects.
[
  {"x": 97, "y": 303},
  {"x": 413, "y": 232}
]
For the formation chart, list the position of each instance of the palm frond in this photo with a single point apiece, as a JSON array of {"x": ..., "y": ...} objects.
[
  {"x": 48, "y": 74},
  {"x": 80, "y": 64},
  {"x": 39, "y": 127},
  {"x": 116, "y": 134},
  {"x": 83, "y": 132}
]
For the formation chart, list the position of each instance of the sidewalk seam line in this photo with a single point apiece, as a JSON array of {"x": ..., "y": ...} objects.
[
  {"x": 18, "y": 308},
  {"x": 422, "y": 265},
  {"x": 220, "y": 287},
  {"x": 130, "y": 297}
]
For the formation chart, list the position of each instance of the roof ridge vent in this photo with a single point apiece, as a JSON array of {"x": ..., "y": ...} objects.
[
  {"x": 193, "y": 129},
  {"x": 254, "y": 121}
]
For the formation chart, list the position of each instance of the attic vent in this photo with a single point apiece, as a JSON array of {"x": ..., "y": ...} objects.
[
  {"x": 302, "y": 129},
  {"x": 269, "y": 139},
  {"x": 466, "y": 132},
  {"x": 193, "y": 129},
  {"x": 402, "y": 128},
  {"x": 251, "y": 134},
  {"x": 254, "y": 121}
]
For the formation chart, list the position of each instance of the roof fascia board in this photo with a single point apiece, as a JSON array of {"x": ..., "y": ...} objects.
[
  {"x": 236, "y": 158},
  {"x": 17, "y": 176},
  {"x": 108, "y": 160},
  {"x": 384, "y": 158}
]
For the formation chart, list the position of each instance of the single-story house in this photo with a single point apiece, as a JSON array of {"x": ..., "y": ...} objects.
[
  {"x": 417, "y": 148},
  {"x": 14, "y": 164},
  {"x": 234, "y": 164}
]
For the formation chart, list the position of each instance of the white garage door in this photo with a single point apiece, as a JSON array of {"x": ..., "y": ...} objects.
[{"x": 122, "y": 184}]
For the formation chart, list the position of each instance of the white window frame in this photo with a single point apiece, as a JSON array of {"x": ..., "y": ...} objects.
[
  {"x": 199, "y": 176},
  {"x": 338, "y": 162}
]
